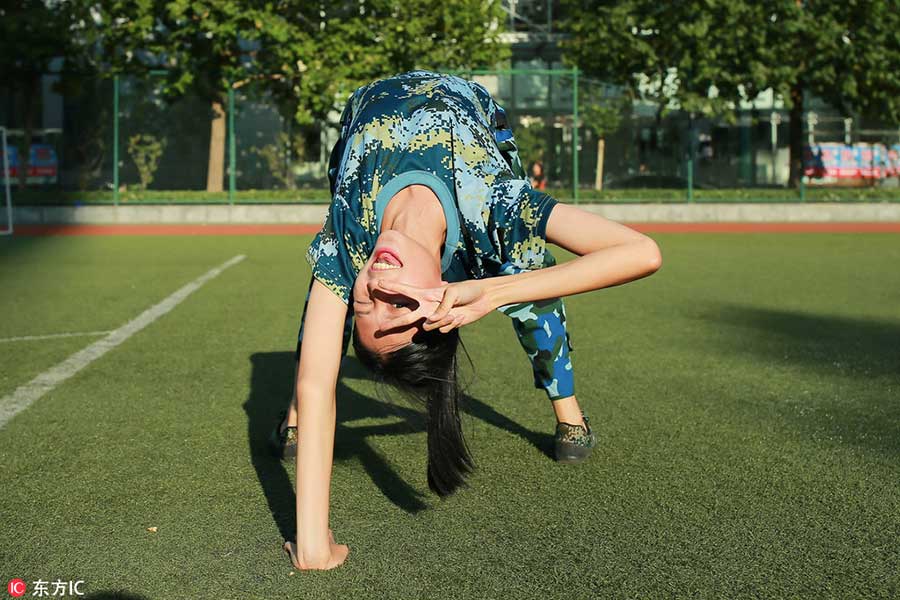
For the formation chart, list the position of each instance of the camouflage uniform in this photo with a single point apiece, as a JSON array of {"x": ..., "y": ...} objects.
[{"x": 449, "y": 134}]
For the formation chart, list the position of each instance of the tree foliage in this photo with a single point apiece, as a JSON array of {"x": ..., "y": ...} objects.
[
  {"x": 844, "y": 52},
  {"x": 306, "y": 55},
  {"x": 705, "y": 56},
  {"x": 673, "y": 53},
  {"x": 346, "y": 44},
  {"x": 34, "y": 34},
  {"x": 201, "y": 46}
]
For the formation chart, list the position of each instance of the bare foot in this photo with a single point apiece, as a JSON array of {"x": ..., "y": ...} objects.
[
  {"x": 290, "y": 549},
  {"x": 338, "y": 554}
]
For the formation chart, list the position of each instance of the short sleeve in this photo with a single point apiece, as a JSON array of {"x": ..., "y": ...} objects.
[
  {"x": 524, "y": 228},
  {"x": 338, "y": 251},
  {"x": 329, "y": 260}
]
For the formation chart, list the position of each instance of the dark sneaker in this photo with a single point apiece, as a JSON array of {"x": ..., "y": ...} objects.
[
  {"x": 284, "y": 442},
  {"x": 574, "y": 442}
]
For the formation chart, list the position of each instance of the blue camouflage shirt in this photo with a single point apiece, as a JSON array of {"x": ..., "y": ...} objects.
[{"x": 440, "y": 131}]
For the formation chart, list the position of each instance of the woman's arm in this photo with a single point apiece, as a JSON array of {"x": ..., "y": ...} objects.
[
  {"x": 609, "y": 254},
  {"x": 320, "y": 357}
]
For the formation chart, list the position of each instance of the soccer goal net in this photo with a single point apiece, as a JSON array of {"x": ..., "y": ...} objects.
[{"x": 6, "y": 221}]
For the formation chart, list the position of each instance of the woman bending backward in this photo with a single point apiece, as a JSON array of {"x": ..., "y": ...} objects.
[{"x": 430, "y": 228}]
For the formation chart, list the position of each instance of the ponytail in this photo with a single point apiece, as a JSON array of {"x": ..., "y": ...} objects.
[{"x": 427, "y": 370}]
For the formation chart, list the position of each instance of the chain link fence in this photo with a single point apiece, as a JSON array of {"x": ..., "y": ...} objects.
[{"x": 125, "y": 140}]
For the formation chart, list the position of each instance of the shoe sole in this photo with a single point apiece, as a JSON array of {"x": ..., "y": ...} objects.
[
  {"x": 288, "y": 452},
  {"x": 570, "y": 454},
  {"x": 571, "y": 460}
]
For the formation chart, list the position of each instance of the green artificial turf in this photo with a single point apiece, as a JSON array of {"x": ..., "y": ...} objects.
[{"x": 746, "y": 398}]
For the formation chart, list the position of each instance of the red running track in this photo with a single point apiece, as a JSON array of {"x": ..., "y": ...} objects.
[{"x": 307, "y": 229}]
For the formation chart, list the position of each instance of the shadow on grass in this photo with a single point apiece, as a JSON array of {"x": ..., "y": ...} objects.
[
  {"x": 831, "y": 345},
  {"x": 482, "y": 411},
  {"x": 863, "y": 351},
  {"x": 11, "y": 247},
  {"x": 270, "y": 392}
]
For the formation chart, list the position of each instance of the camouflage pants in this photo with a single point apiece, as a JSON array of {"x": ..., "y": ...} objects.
[{"x": 541, "y": 329}]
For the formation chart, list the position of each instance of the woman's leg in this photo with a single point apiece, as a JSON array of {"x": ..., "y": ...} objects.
[{"x": 541, "y": 330}]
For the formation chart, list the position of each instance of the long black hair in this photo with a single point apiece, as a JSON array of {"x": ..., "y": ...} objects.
[{"x": 427, "y": 370}]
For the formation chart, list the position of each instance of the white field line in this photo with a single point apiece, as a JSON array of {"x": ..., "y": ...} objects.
[
  {"x": 25, "y": 395},
  {"x": 51, "y": 336}
]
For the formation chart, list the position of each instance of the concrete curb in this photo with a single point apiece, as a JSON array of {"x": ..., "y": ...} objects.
[
  {"x": 170, "y": 214},
  {"x": 213, "y": 214}
]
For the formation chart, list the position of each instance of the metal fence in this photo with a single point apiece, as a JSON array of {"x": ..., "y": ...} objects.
[{"x": 123, "y": 140}]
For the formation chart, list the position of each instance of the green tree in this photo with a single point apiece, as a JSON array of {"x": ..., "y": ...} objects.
[
  {"x": 673, "y": 53},
  {"x": 846, "y": 53},
  {"x": 145, "y": 150},
  {"x": 330, "y": 50},
  {"x": 33, "y": 34},
  {"x": 203, "y": 46},
  {"x": 704, "y": 56},
  {"x": 323, "y": 52},
  {"x": 307, "y": 55}
]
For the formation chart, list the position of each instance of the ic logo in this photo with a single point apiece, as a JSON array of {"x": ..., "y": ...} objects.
[{"x": 16, "y": 588}]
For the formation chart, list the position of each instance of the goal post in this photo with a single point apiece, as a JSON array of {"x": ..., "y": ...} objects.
[{"x": 7, "y": 183}]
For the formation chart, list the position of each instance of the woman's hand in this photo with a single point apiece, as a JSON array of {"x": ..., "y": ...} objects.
[
  {"x": 444, "y": 308},
  {"x": 609, "y": 254},
  {"x": 337, "y": 555}
]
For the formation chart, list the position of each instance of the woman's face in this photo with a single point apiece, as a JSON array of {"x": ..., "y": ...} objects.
[{"x": 396, "y": 258}]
